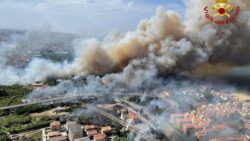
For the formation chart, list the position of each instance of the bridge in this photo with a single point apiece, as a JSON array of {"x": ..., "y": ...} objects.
[
  {"x": 93, "y": 108},
  {"x": 72, "y": 98},
  {"x": 121, "y": 122}
]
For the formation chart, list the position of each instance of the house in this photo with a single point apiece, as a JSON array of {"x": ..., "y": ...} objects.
[
  {"x": 91, "y": 133},
  {"x": 190, "y": 128},
  {"x": 83, "y": 139},
  {"x": 89, "y": 127},
  {"x": 38, "y": 85},
  {"x": 132, "y": 117},
  {"x": 53, "y": 134},
  {"x": 100, "y": 137},
  {"x": 59, "y": 138},
  {"x": 105, "y": 130},
  {"x": 123, "y": 111},
  {"x": 74, "y": 131},
  {"x": 55, "y": 126},
  {"x": 124, "y": 114},
  {"x": 69, "y": 123}
]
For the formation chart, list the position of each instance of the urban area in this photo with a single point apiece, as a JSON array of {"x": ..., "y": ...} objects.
[{"x": 120, "y": 117}]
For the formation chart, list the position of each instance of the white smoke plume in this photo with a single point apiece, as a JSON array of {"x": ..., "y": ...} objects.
[{"x": 160, "y": 46}]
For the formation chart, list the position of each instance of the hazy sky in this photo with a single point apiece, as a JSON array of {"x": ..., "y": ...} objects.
[{"x": 86, "y": 17}]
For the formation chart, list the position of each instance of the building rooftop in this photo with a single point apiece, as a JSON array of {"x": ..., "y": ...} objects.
[
  {"x": 89, "y": 127},
  {"x": 75, "y": 129},
  {"x": 92, "y": 132},
  {"x": 82, "y": 139},
  {"x": 100, "y": 136},
  {"x": 123, "y": 110},
  {"x": 106, "y": 129},
  {"x": 69, "y": 123},
  {"x": 55, "y": 123},
  {"x": 132, "y": 116},
  {"x": 53, "y": 134},
  {"x": 60, "y": 138}
]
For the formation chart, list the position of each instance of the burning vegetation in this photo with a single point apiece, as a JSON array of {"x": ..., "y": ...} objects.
[{"x": 162, "y": 75}]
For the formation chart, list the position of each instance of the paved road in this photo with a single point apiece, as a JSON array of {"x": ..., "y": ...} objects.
[
  {"x": 69, "y": 98},
  {"x": 135, "y": 108},
  {"x": 123, "y": 123},
  {"x": 150, "y": 119},
  {"x": 32, "y": 103},
  {"x": 61, "y": 99}
]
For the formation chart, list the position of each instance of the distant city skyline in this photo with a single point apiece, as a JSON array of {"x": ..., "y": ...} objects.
[{"x": 86, "y": 17}]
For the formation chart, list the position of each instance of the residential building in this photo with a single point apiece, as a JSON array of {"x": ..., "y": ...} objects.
[
  {"x": 89, "y": 127},
  {"x": 83, "y": 139},
  {"x": 106, "y": 130},
  {"x": 55, "y": 126},
  {"x": 74, "y": 131},
  {"x": 59, "y": 138},
  {"x": 100, "y": 137},
  {"x": 91, "y": 133}
]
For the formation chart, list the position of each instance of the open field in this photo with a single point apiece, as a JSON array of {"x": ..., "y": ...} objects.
[
  {"x": 48, "y": 113},
  {"x": 12, "y": 95}
]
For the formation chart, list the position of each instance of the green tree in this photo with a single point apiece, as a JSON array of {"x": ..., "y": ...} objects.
[
  {"x": 122, "y": 139},
  {"x": 3, "y": 135}
]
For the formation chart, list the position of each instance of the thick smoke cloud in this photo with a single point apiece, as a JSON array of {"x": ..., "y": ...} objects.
[{"x": 162, "y": 44}]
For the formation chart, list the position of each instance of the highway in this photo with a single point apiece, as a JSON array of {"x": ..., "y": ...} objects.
[
  {"x": 40, "y": 102},
  {"x": 71, "y": 98},
  {"x": 91, "y": 107},
  {"x": 123, "y": 123},
  {"x": 135, "y": 108},
  {"x": 150, "y": 119}
]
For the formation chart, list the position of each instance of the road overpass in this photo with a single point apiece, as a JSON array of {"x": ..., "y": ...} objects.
[
  {"x": 72, "y": 98},
  {"x": 123, "y": 123},
  {"x": 91, "y": 107}
]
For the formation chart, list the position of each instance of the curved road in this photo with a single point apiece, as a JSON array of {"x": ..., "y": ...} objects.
[
  {"x": 91, "y": 107},
  {"x": 123, "y": 123}
]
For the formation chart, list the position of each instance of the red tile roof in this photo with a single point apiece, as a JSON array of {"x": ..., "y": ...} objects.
[
  {"x": 132, "y": 116},
  {"x": 106, "y": 129},
  {"x": 100, "y": 136},
  {"x": 91, "y": 132},
  {"x": 88, "y": 127},
  {"x": 60, "y": 138}
]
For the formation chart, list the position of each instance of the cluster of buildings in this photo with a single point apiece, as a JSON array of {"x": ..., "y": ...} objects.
[
  {"x": 56, "y": 132},
  {"x": 223, "y": 121},
  {"x": 129, "y": 116},
  {"x": 38, "y": 85},
  {"x": 72, "y": 131},
  {"x": 97, "y": 133}
]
